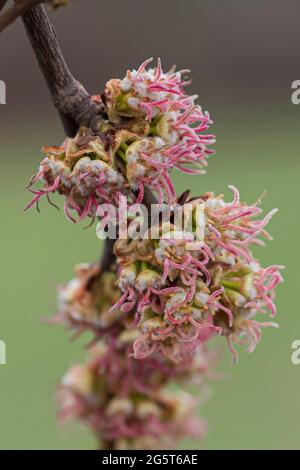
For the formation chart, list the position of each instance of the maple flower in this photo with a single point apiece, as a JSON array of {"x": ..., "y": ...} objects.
[
  {"x": 248, "y": 291},
  {"x": 153, "y": 126},
  {"x": 103, "y": 394},
  {"x": 185, "y": 291},
  {"x": 82, "y": 172},
  {"x": 154, "y": 311},
  {"x": 85, "y": 302},
  {"x": 174, "y": 127}
]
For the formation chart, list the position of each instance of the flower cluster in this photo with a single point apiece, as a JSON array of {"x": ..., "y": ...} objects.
[
  {"x": 85, "y": 302},
  {"x": 183, "y": 292},
  {"x": 152, "y": 126},
  {"x": 153, "y": 314},
  {"x": 81, "y": 170},
  {"x": 166, "y": 294},
  {"x": 173, "y": 126},
  {"x": 125, "y": 402}
]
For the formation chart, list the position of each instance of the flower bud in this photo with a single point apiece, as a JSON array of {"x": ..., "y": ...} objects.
[
  {"x": 80, "y": 379},
  {"x": 144, "y": 409},
  {"x": 148, "y": 278},
  {"x": 121, "y": 406},
  {"x": 127, "y": 275},
  {"x": 152, "y": 324}
]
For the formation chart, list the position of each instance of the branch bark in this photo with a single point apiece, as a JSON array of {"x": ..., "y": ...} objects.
[
  {"x": 2, "y": 4},
  {"x": 71, "y": 99},
  {"x": 12, "y": 13},
  {"x": 108, "y": 257},
  {"x": 20, "y": 7}
]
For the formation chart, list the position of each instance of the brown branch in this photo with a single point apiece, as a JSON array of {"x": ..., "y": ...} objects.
[
  {"x": 18, "y": 9},
  {"x": 71, "y": 99},
  {"x": 108, "y": 257},
  {"x": 2, "y": 4}
]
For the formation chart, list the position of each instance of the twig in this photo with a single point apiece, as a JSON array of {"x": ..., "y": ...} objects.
[
  {"x": 108, "y": 257},
  {"x": 2, "y": 4},
  {"x": 73, "y": 102},
  {"x": 18, "y": 9}
]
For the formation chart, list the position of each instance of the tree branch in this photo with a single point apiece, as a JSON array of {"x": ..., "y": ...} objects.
[
  {"x": 18, "y": 9},
  {"x": 2, "y": 4},
  {"x": 71, "y": 99},
  {"x": 108, "y": 257}
]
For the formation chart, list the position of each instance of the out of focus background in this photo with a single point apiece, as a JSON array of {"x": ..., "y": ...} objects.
[{"x": 244, "y": 55}]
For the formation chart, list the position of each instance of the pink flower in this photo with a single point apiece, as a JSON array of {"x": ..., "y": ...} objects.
[
  {"x": 174, "y": 131},
  {"x": 153, "y": 127},
  {"x": 155, "y": 310},
  {"x": 85, "y": 302},
  {"x": 232, "y": 227},
  {"x": 249, "y": 292},
  {"x": 182, "y": 292},
  {"x": 81, "y": 171},
  {"x": 105, "y": 395}
]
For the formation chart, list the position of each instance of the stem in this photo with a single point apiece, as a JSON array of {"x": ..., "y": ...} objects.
[
  {"x": 2, "y": 4},
  {"x": 71, "y": 99},
  {"x": 12, "y": 13},
  {"x": 108, "y": 257}
]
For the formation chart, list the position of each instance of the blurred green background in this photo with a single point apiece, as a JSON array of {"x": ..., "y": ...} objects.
[{"x": 244, "y": 80}]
